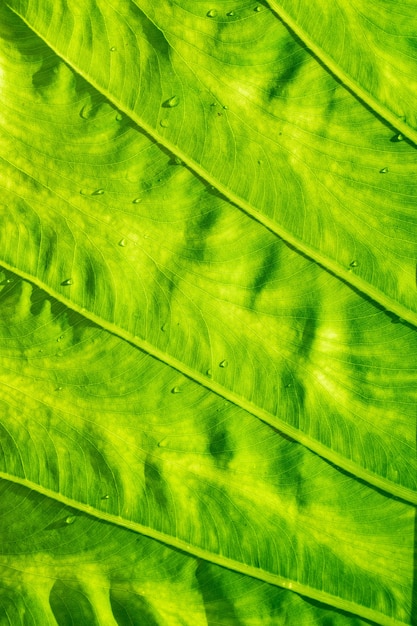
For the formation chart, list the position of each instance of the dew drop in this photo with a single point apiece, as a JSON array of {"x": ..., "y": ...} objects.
[
  {"x": 98, "y": 192},
  {"x": 384, "y": 170},
  {"x": 212, "y": 13},
  {"x": 164, "y": 123},
  {"x": 136, "y": 200},
  {"x": 257, "y": 9},
  {"x": 400, "y": 137},
  {"x": 85, "y": 111},
  {"x": 177, "y": 161},
  {"x": 113, "y": 49},
  {"x": 67, "y": 282},
  {"x": 106, "y": 497},
  {"x": 175, "y": 390},
  {"x": 172, "y": 102},
  {"x": 230, "y": 14},
  {"x": 122, "y": 243},
  {"x": 70, "y": 519},
  {"x": 353, "y": 263},
  {"x": 162, "y": 443},
  {"x": 119, "y": 117},
  {"x": 223, "y": 363},
  {"x": 225, "y": 106},
  {"x": 213, "y": 104},
  {"x": 164, "y": 327},
  {"x": 58, "y": 389},
  {"x": 209, "y": 372},
  {"x": 9, "y": 280}
]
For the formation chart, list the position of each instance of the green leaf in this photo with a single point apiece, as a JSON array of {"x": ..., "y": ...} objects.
[
  {"x": 98, "y": 425},
  {"x": 115, "y": 228},
  {"x": 254, "y": 106},
  {"x": 375, "y": 57},
  {"x": 60, "y": 566},
  {"x": 170, "y": 366}
]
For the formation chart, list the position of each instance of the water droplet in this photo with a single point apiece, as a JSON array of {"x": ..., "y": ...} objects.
[
  {"x": 209, "y": 372},
  {"x": 260, "y": 162},
  {"x": 353, "y": 263},
  {"x": 113, "y": 49},
  {"x": 85, "y": 111},
  {"x": 67, "y": 282},
  {"x": 172, "y": 102},
  {"x": 175, "y": 390},
  {"x": 106, "y": 497},
  {"x": 163, "y": 443},
  {"x": 223, "y": 363},
  {"x": 136, "y": 200},
  {"x": 384, "y": 170},
  {"x": 230, "y": 14},
  {"x": 58, "y": 389},
  {"x": 122, "y": 243},
  {"x": 213, "y": 104},
  {"x": 9, "y": 280},
  {"x": 225, "y": 106},
  {"x": 257, "y": 9},
  {"x": 119, "y": 117},
  {"x": 288, "y": 385},
  {"x": 164, "y": 123},
  {"x": 177, "y": 161},
  {"x": 70, "y": 519},
  {"x": 98, "y": 192},
  {"x": 164, "y": 327},
  {"x": 212, "y": 13},
  {"x": 398, "y": 137}
]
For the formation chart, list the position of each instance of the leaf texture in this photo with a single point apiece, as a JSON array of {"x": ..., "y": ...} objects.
[
  {"x": 115, "y": 227},
  {"x": 207, "y": 365},
  {"x": 259, "y": 118}
]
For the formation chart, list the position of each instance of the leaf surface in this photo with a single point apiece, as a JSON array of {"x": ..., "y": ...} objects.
[
  {"x": 169, "y": 365},
  {"x": 370, "y": 46},
  {"x": 258, "y": 117},
  {"x": 61, "y": 566},
  {"x": 115, "y": 227},
  {"x": 136, "y": 444}
]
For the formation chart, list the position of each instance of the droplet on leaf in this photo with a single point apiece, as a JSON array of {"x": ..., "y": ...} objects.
[
  {"x": 225, "y": 106},
  {"x": 209, "y": 372},
  {"x": 106, "y": 497},
  {"x": 67, "y": 282},
  {"x": 175, "y": 390},
  {"x": 113, "y": 49},
  {"x": 212, "y": 13},
  {"x": 58, "y": 389},
  {"x": 164, "y": 327},
  {"x": 164, "y": 123},
  {"x": 384, "y": 170},
  {"x": 177, "y": 161},
  {"x": 98, "y": 192},
  {"x": 172, "y": 102},
  {"x": 257, "y": 9},
  {"x": 223, "y": 363},
  {"x": 122, "y": 243},
  {"x": 119, "y": 117},
  {"x": 354, "y": 263},
  {"x": 85, "y": 111},
  {"x": 70, "y": 519},
  {"x": 230, "y": 14},
  {"x": 137, "y": 200}
]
